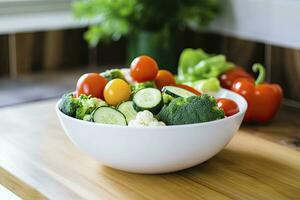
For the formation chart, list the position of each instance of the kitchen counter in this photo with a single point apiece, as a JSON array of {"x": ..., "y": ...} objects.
[{"x": 38, "y": 161}]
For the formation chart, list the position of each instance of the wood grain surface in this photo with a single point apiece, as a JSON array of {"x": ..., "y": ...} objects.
[{"x": 38, "y": 161}]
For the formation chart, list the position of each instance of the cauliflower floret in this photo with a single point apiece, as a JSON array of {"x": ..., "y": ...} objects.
[
  {"x": 157, "y": 123},
  {"x": 145, "y": 118},
  {"x": 135, "y": 123}
]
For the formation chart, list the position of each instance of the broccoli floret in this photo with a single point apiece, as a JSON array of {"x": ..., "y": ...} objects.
[
  {"x": 79, "y": 107},
  {"x": 112, "y": 74},
  {"x": 139, "y": 86},
  {"x": 69, "y": 104},
  {"x": 194, "y": 109},
  {"x": 87, "y": 105}
]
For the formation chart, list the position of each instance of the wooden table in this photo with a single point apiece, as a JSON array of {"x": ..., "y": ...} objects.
[{"x": 38, "y": 161}]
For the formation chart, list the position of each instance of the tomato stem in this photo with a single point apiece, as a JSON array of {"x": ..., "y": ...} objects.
[{"x": 259, "y": 68}]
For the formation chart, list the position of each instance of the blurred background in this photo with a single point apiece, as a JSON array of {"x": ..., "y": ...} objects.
[{"x": 45, "y": 45}]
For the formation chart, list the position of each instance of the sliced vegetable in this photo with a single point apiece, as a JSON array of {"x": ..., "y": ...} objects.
[
  {"x": 139, "y": 86},
  {"x": 164, "y": 78},
  {"x": 229, "y": 106},
  {"x": 191, "y": 89},
  {"x": 212, "y": 67},
  {"x": 127, "y": 109},
  {"x": 108, "y": 115},
  {"x": 91, "y": 84},
  {"x": 177, "y": 91},
  {"x": 206, "y": 85},
  {"x": 116, "y": 91},
  {"x": 167, "y": 98},
  {"x": 195, "y": 64},
  {"x": 148, "y": 99},
  {"x": 87, "y": 118},
  {"x": 143, "y": 68},
  {"x": 187, "y": 60}
]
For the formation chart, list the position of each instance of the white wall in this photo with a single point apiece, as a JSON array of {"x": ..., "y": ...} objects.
[
  {"x": 42, "y": 21},
  {"x": 269, "y": 21},
  {"x": 36, "y": 15}
]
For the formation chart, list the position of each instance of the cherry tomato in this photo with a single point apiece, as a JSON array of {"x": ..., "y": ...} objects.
[
  {"x": 91, "y": 84},
  {"x": 246, "y": 88},
  {"x": 116, "y": 91},
  {"x": 229, "y": 106},
  {"x": 230, "y": 76},
  {"x": 143, "y": 68},
  {"x": 164, "y": 78},
  {"x": 189, "y": 88}
]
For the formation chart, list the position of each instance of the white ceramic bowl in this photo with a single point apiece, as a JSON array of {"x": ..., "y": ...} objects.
[{"x": 154, "y": 149}]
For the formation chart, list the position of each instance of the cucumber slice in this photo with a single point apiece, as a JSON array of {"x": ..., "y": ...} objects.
[
  {"x": 148, "y": 99},
  {"x": 177, "y": 92},
  {"x": 127, "y": 109},
  {"x": 108, "y": 115}
]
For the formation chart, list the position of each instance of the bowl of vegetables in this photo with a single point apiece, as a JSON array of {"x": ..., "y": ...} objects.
[{"x": 140, "y": 120}]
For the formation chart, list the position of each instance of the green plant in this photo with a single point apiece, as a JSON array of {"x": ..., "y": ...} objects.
[{"x": 111, "y": 19}]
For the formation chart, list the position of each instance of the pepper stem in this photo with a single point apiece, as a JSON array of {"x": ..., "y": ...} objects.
[{"x": 259, "y": 68}]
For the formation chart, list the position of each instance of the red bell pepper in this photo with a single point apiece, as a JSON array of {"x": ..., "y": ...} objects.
[
  {"x": 230, "y": 76},
  {"x": 263, "y": 98}
]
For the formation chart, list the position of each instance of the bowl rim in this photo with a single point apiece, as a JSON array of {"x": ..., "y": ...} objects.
[{"x": 241, "y": 112}]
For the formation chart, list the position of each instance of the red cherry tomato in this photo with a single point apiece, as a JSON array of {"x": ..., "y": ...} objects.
[
  {"x": 246, "y": 88},
  {"x": 230, "y": 76},
  {"x": 91, "y": 84},
  {"x": 164, "y": 78},
  {"x": 191, "y": 89},
  {"x": 229, "y": 106},
  {"x": 143, "y": 68}
]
